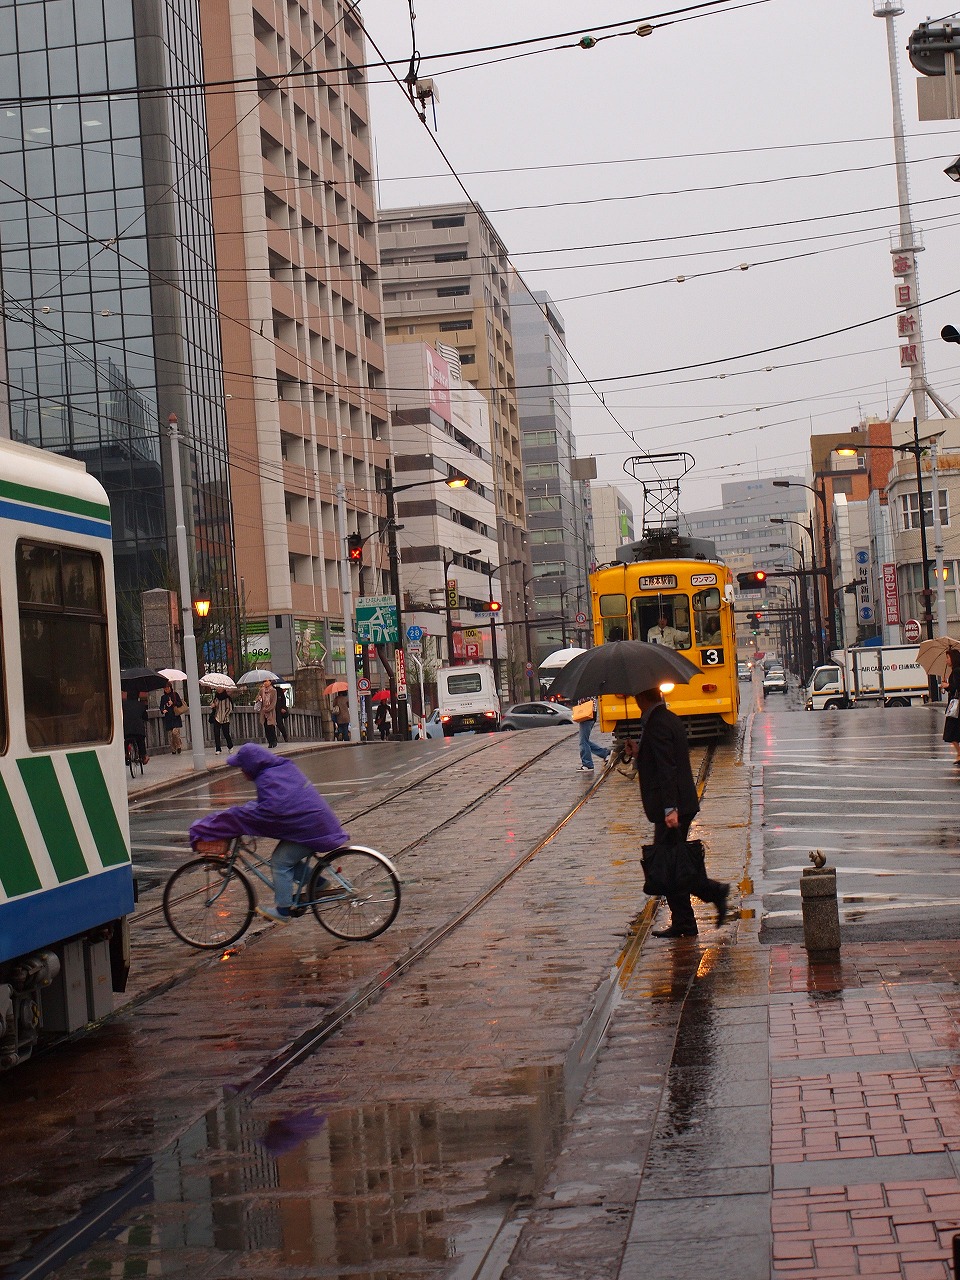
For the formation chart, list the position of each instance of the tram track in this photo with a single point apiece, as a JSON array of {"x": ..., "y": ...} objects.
[{"x": 103, "y": 1211}]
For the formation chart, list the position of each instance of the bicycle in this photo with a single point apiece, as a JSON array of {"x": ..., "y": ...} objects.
[
  {"x": 209, "y": 902},
  {"x": 134, "y": 758}
]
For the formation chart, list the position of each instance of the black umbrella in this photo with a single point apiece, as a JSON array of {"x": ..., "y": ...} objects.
[
  {"x": 141, "y": 680},
  {"x": 623, "y": 667}
]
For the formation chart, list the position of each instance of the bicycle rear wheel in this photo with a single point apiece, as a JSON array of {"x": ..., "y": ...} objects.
[
  {"x": 354, "y": 893},
  {"x": 207, "y": 903},
  {"x": 131, "y": 760}
]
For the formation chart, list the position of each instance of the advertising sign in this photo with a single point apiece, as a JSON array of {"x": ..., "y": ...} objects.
[
  {"x": 912, "y": 631},
  {"x": 401, "y": 675},
  {"x": 891, "y": 600},
  {"x": 377, "y": 620},
  {"x": 438, "y": 384}
]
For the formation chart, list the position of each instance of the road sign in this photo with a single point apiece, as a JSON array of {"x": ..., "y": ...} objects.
[
  {"x": 866, "y": 613},
  {"x": 581, "y": 619},
  {"x": 912, "y": 631},
  {"x": 414, "y": 633},
  {"x": 363, "y": 685},
  {"x": 529, "y": 668},
  {"x": 863, "y": 557},
  {"x": 377, "y": 620}
]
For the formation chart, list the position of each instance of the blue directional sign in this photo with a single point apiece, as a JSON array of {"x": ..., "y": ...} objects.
[
  {"x": 414, "y": 633},
  {"x": 866, "y": 613},
  {"x": 863, "y": 557}
]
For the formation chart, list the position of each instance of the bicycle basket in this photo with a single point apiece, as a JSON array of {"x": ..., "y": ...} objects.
[{"x": 218, "y": 848}]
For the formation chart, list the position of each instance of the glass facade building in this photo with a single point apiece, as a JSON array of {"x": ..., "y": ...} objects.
[{"x": 108, "y": 274}]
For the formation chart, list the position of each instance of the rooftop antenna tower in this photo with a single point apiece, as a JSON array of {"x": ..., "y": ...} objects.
[{"x": 909, "y": 319}]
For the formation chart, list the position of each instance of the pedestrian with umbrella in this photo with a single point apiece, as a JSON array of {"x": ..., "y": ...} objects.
[
  {"x": 221, "y": 708},
  {"x": 668, "y": 793},
  {"x": 940, "y": 657},
  {"x": 267, "y": 706},
  {"x": 171, "y": 708},
  {"x": 381, "y": 716}
]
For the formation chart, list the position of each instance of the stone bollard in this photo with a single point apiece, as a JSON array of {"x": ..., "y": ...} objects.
[{"x": 821, "y": 915}]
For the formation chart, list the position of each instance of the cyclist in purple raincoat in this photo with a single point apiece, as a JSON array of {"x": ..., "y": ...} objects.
[{"x": 288, "y": 808}]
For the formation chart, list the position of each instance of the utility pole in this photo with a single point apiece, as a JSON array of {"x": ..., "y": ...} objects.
[
  {"x": 346, "y": 596},
  {"x": 186, "y": 604}
]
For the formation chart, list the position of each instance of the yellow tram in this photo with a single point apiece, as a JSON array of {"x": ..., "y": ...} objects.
[{"x": 686, "y": 604}]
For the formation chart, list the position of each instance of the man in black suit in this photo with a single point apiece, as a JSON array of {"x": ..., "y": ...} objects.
[{"x": 669, "y": 797}]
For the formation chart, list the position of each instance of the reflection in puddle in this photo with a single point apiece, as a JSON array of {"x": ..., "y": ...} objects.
[{"x": 365, "y": 1187}]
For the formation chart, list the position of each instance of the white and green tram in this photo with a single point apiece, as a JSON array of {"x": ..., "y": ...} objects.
[{"x": 66, "y": 883}]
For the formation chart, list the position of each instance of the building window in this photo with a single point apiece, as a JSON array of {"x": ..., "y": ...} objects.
[
  {"x": 541, "y": 470},
  {"x": 454, "y": 291},
  {"x": 439, "y": 223},
  {"x": 910, "y": 510},
  {"x": 539, "y": 439},
  {"x": 455, "y": 326},
  {"x": 459, "y": 256}
]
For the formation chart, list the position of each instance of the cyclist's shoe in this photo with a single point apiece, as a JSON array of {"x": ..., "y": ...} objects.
[{"x": 280, "y": 915}]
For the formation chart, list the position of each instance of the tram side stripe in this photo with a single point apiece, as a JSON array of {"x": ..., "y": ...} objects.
[
  {"x": 50, "y": 498},
  {"x": 53, "y": 519},
  {"x": 98, "y": 807},
  {"x": 17, "y": 872},
  {"x": 53, "y": 818}
]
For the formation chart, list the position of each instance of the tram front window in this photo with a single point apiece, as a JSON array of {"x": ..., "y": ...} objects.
[
  {"x": 613, "y": 617},
  {"x": 706, "y": 617},
  {"x": 663, "y": 620}
]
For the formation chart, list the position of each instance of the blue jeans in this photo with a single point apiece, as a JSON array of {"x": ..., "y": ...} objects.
[
  {"x": 284, "y": 861},
  {"x": 586, "y": 746}
]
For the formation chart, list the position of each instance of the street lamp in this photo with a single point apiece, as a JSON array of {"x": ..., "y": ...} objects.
[
  {"x": 455, "y": 481},
  {"x": 201, "y": 607},
  {"x": 816, "y": 585},
  {"x": 828, "y": 566},
  {"x": 806, "y": 645}
]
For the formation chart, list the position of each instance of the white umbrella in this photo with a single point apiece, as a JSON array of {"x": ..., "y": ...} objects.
[
  {"x": 172, "y": 674},
  {"x": 217, "y": 680},
  {"x": 560, "y": 658},
  {"x": 257, "y": 677}
]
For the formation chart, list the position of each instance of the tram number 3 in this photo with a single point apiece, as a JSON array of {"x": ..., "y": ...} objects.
[{"x": 711, "y": 657}]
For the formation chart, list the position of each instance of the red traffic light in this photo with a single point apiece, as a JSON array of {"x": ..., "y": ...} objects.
[
  {"x": 751, "y": 581},
  {"x": 494, "y": 606},
  {"x": 355, "y": 546}
]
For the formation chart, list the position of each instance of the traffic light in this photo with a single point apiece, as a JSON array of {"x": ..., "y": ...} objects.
[
  {"x": 355, "y": 547},
  {"x": 752, "y": 581},
  {"x": 494, "y": 606}
]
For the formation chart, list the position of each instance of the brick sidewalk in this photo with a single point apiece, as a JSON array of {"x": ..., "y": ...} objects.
[{"x": 751, "y": 1116}]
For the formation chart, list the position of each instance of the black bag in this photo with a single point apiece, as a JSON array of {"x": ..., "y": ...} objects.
[{"x": 673, "y": 866}]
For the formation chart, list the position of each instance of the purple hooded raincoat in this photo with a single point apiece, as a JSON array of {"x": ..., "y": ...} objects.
[{"x": 287, "y": 807}]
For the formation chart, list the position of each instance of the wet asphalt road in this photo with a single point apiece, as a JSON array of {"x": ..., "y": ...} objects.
[
  {"x": 159, "y": 825},
  {"x": 878, "y": 793}
]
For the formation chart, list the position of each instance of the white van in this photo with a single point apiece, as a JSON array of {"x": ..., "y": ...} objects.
[{"x": 467, "y": 699}]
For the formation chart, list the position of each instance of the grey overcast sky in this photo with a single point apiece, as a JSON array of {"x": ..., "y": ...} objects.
[{"x": 759, "y": 135}]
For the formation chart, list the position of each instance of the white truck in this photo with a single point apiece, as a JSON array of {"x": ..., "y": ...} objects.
[
  {"x": 467, "y": 698},
  {"x": 887, "y": 675}
]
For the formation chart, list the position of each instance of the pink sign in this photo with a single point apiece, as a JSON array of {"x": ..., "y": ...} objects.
[
  {"x": 438, "y": 384},
  {"x": 891, "y": 599}
]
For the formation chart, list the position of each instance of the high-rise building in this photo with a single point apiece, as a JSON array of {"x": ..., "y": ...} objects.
[
  {"x": 439, "y": 427},
  {"x": 555, "y": 513},
  {"x": 299, "y": 291},
  {"x": 446, "y": 279},
  {"x": 110, "y": 318},
  {"x": 613, "y": 523}
]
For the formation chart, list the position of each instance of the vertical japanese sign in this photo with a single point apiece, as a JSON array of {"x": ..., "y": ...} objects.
[
  {"x": 904, "y": 268},
  {"x": 438, "y": 384},
  {"x": 401, "y": 674},
  {"x": 891, "y": 600}
]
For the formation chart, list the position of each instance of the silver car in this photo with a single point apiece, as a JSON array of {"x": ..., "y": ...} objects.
[
  {"x": 774, "y": 680},
  {"x": 536, "y": 715}
]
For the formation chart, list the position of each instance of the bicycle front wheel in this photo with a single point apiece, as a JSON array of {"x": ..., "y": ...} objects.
[
  {"x": 207, "y": 903},
  {"x": 355, "y": 893}
]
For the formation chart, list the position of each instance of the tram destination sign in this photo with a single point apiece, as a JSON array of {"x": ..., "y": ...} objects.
[{"x": 658, "y": 582}]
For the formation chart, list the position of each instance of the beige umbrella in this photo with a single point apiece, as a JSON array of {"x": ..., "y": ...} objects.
[{"x": 932, "y": 655}]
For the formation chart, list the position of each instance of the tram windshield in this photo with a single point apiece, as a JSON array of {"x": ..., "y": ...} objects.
[
  {"x": 662, "y": 619},
  {"x": 706, "y": 617}
]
